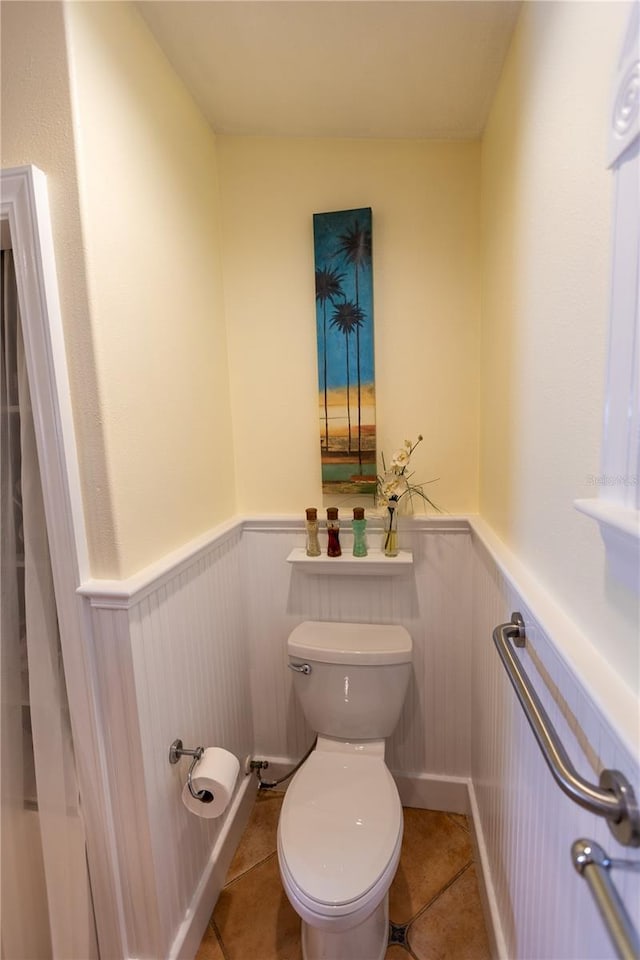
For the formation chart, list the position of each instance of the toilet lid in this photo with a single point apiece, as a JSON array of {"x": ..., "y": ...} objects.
[{"x": 340, "y": 824}]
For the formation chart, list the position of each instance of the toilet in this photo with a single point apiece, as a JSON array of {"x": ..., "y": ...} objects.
[{"x": 340, "y": 828}]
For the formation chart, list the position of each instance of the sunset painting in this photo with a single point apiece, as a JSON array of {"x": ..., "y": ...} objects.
[{"x": 344, "y": 319}]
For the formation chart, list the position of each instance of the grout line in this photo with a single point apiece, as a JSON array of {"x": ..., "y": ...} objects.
[
  {"x": 404, "y": 945},
  {"x": 462, "y": 826},
  {"x": 249, "y": 869},
  {"x": 437, "y": 896},
  {"x": 219, "y": 939}
]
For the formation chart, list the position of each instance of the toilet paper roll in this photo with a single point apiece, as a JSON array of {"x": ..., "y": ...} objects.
[{"x": 216, "y": 773}]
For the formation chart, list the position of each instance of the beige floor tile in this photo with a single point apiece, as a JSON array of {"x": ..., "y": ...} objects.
[
  {"x": 210, "y": 948},
  {"x": 434, "y": 850},
  {"x": 460, "y": 819},
  {"x": 259, "y": 839},
  {"x": 254, "y": 919},
  {"x": 452, "y": 928}
]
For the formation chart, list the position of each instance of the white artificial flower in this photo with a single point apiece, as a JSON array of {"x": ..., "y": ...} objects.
[
  {"x": 400, "y": 458},
  {"x": 395, "y": 482},
  {"x": 388, "y": 488},
  {"x": 393, "y": 486}
]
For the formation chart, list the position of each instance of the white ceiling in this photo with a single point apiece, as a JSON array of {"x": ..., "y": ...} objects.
[{"x": 338, "y": 68}]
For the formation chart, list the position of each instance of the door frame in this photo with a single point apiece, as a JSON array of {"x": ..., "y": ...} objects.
[{"x": 24, "y": 204}]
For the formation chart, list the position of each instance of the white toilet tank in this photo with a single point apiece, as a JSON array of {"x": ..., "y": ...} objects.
[{"x": 351, "y": 678}]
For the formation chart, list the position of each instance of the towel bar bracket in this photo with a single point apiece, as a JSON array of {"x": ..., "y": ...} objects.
[
  {"x": 518, "y": 633},
  {"x": 625, "y": 830},
  {"x": 592, "y": 863}
]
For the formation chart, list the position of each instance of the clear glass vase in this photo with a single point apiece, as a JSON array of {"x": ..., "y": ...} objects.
[{"x": 390, "y": 537}]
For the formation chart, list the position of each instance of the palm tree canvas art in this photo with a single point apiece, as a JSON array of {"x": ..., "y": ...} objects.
[{"x": 344, "y": 320}]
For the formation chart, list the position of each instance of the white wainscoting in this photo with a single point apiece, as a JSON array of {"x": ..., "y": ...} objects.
[
  {"x": 172, "y": 661},
  {"x": 541, "y": 908},
  {"x": 196, "y": 648}
]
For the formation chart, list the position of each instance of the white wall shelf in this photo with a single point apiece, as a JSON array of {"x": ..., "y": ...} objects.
[
  {"x": 375, "y": 564},
  {"x": 620, "y": 530}
]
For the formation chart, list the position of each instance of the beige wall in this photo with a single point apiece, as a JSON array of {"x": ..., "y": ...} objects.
[
  {"x": 424, "y": 197},
  {"x": 132, "y": 174},
  {"x": 37, "y": 129},
  {"x": 148, "y": 189},
  {"x": 546, "y": 200},
  {"x": 174, "y": 436},
  {"x": 131, "y": 166}
]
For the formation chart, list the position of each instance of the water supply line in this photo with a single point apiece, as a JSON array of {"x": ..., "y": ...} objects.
[{"x": 259, "y": 765}]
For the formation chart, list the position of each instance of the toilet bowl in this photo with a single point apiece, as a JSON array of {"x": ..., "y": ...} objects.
[
  {"x": 340, "y": 827},
  {"x": 339, "y": 839}
]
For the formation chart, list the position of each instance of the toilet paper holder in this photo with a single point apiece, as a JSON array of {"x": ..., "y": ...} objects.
[{"x": 176, "y": 750}]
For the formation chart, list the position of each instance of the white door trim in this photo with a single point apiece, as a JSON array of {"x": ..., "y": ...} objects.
[{"x": 24, "y": 204}]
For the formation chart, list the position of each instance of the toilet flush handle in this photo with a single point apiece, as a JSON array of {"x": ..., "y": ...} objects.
[{"x": 301, "y": 668}]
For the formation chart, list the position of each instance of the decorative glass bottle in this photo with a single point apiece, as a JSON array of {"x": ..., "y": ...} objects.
[
  {"x": 390, "y": 540},
  {"x": 359, "y": 526},
  {"x": 333, "y": 530},
  {"x": 313, "y": 544}
]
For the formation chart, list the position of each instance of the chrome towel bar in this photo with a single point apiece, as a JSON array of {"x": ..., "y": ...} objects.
[
  {"x": 594, "y": 865},
  {"x": 613, "y": 798}
]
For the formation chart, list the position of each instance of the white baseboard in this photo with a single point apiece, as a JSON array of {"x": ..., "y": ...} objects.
[
  {"x": 191, "y": 930},
  {"x": 488, "y": 897},
  {"x": 431, "y": 792}
]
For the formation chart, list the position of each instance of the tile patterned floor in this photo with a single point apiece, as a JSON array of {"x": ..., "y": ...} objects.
[{"x": 434, "y": 905}]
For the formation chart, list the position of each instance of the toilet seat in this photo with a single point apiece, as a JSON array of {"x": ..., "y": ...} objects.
[{"x": 340, "y": 833}]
